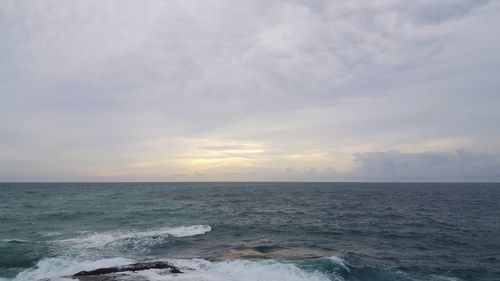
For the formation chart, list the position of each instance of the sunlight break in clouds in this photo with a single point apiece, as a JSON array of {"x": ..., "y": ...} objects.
[{"x": 249, "y": 90}]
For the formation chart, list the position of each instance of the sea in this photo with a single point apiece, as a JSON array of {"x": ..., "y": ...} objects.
[{"x": 253, "y": 231}]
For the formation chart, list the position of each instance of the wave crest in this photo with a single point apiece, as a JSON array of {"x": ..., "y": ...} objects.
[{"x": 136, "y": 239}]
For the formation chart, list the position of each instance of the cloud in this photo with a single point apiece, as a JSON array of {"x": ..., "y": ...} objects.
[
  {"x": 262, "y": 174},
  {"x": 461, "y": 165},
  {"x": 230, "y": 147},
  {"x": 94, "y": 88},
  {"x": 433, "y": 12}
]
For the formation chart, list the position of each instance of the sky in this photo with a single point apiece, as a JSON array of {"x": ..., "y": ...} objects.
[{"x": 257, "y": 90}]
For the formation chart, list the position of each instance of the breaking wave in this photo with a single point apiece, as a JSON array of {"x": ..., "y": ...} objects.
[
  {"x": 319, "y": 269},
  {"x": 240, "y": 270},
  {"x": 194, "y": 269},
  {"x": 136, "y": 239},
  {"x": 57, "y": 268}
]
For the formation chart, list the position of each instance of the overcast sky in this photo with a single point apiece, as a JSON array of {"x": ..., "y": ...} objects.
[{"x": 316, "y": 90}]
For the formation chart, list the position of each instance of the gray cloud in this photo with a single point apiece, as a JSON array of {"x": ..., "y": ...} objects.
[
  {"x": 101, "y": 87},
  {"x": 461, "y": 165},
  {"x": 433, "y": 12}
]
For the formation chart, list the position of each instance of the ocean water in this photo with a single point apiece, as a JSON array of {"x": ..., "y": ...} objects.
[{"x": 253, "y": 231}]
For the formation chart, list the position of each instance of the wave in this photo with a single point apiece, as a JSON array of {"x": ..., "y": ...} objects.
[
  {"x": 49, "y": 233},
  {"x": 320, "y": 269},
  {"x": 18, "y": 241},
  {"x": 55, "y": 268},
  {"x": 183, "y": 231},
  {"x": 194, "y": 269},
  {"x": 135, "y": 239},
  {"x": 240, "y": 270}
]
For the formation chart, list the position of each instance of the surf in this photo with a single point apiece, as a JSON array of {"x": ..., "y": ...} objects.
[{"x": 134, "y": 238}]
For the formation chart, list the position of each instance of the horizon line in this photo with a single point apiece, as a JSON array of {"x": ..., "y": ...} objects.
[{"x": 270, "y": 181}]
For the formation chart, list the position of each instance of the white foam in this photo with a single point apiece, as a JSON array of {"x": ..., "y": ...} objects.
[
  {"x": 183, "y": 231},
  {"x": 237, "y": 270},
  {"x": 15, "y": 241},
  {"x": 50, "y": 233},
  {"x": 193, "y": 270},
  {"x": 136, "y": 239},
  {"x": 57, "y": 268}
]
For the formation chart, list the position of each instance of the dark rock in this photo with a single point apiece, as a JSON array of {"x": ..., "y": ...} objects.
[
  {"x": 130, "y": 267},
  {"x": 109, "y": 277}
]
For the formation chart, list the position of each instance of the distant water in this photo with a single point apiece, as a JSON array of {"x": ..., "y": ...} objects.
[{"x": 253, "y": 231}]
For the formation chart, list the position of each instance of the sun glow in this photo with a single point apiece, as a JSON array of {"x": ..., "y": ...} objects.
[{"x": 216, "y": 153}]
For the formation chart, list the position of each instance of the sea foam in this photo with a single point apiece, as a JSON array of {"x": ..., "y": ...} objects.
[
  {"x": 236, "y": 270},
  {"x": 57, "y": 268},
  {"x": 61, "y": 268},
  {"x": 136, "y": 239}
]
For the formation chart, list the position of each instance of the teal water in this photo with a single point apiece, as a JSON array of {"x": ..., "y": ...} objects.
[{"x": 254, "y": 231}]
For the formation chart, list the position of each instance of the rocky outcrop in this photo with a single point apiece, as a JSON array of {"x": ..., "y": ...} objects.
[
  {"x": 130, "y": 267},
  {"x": 118, "y": 273}
]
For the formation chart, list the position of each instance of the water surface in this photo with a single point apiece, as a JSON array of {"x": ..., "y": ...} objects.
[{"x": 254, "y": 231}]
